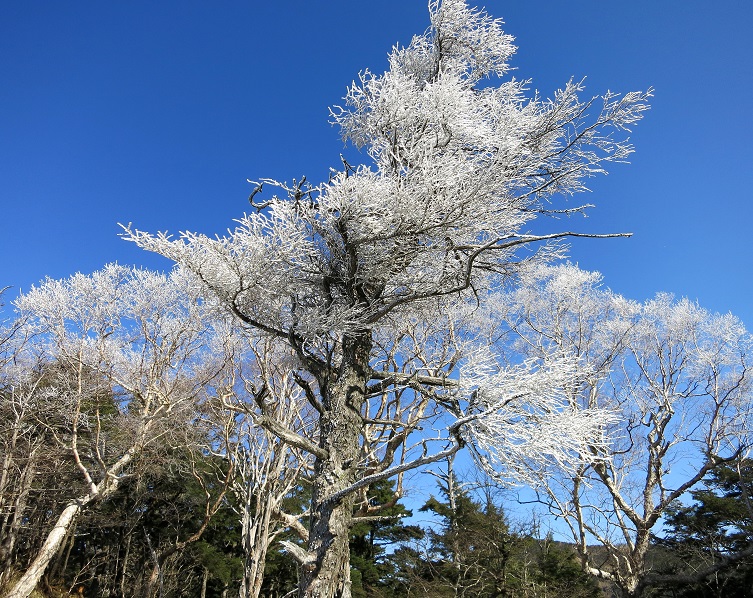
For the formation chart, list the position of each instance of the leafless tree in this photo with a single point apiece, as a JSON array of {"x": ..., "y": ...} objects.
[
  {"x": 20, "y": 445},
  {"x": 349, "y": 272},
  {"x": 125, "y": 354},
  {"x": 677, "y": 377},
  {"x": 257, "y": 386}
]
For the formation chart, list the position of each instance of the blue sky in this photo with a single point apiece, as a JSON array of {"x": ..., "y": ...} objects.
[{"x": 156, "y": 113}]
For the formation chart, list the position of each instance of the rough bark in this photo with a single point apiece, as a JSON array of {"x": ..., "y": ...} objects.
[{"x": 326, "y": 572}]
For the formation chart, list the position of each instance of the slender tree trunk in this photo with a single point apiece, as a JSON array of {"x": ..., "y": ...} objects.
[
  {"x": 156, "y": 575},
  {"x": 255, "y": 541},
  {"x": 61, "y": 562},
  {"x": 124, "y": 568},
  {"x": 10, "y": 449},
  {"x": 51, "y": 545},
  {"x": 327, "y": 573},
  {"x": 30, "y": 579},
  {"x": 12, "y": 527},
  {"x": 204, "y": 580}
]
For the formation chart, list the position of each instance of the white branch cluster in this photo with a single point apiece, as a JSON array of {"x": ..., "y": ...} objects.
[
  {"x": 677, "y": 377},
  {"x": 522, "y": 419},
  {"x": 146, "y": 333},
  {"x": 462, "y": 160}
]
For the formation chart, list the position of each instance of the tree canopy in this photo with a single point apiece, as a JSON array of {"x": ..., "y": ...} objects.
[{"x": 370, "y": 277}]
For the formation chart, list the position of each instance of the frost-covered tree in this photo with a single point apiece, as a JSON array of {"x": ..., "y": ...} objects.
[
  {"x": 679, "y": 379},
  {"x": 371, "y": 277},
  {"x": 18, "y": 444},
  {"x": 115, "y": 366},
  {"x": 259, "y": 387}
]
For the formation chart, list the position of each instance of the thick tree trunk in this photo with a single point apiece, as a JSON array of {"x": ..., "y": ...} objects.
[{"x": 327, "y": 573}]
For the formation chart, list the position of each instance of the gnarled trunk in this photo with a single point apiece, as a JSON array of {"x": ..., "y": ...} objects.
[{"x": 326, "y": 573}]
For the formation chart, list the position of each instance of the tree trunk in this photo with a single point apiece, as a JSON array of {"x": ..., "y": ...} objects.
[
  {"x": 124, "y": 568},
  {"x": 327, "y": 572},
  {"x": 255, "y": 542},
  {"x": 204, "y": 580},
  {"x": 156, "y": 575},
  {"x": 30, "y": 579},
  {"x": 632, "y": 580},
  {"x": 61, "y": 562},
  {"x": 12, "y": 526},
  {"x": 51, "y": 545}
]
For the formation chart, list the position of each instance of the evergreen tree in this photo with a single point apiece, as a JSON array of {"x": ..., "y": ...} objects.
[
  {"x": 145, "y": 531},
  {"x": 710, "y": 542},
  {"x": 475, "y": 554},
  {"x": 558, "y": 572},
  {"x": 379, "y": 524},
  {"x": 471, "y": 549}
]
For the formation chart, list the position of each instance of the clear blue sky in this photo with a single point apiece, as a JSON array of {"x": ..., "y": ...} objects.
[{"x": 157, "y": 112}]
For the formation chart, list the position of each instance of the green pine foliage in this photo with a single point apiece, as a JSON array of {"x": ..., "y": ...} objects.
[
  {"x": 115, "y": 548},
  {"x": 372, "y": 565},
  {"x": 713, "y": 535},
  {"x": 473, "y": 552}
]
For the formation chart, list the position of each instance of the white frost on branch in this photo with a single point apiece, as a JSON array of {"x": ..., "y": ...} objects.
[
  {"x": 522, "y": 419},
  {"x": 382, "y": 279},
  {"x": 146, "y": 332},
  {"x": 459, "y": 168},
  {"x": 379, "y": 282}
]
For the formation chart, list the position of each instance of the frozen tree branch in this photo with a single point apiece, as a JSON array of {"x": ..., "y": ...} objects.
[{"x": 379, "y": 280}]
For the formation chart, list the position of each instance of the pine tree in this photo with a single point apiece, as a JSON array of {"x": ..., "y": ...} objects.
[
  {"x": 711, "y": 541},
  {"x": 474, "y": 553},
  {"x": 379, "y": 524}
]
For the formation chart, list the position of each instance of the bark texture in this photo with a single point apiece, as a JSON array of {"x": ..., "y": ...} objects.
[{"x": 326, "y": 573}]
